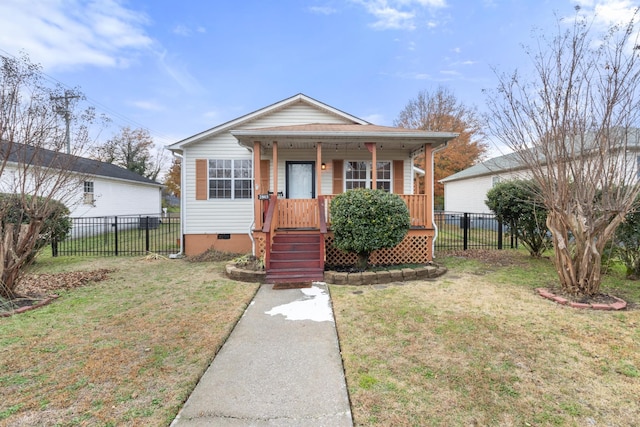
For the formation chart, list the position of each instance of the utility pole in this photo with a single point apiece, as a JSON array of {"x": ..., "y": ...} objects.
[{"x": 64, "y": 112}]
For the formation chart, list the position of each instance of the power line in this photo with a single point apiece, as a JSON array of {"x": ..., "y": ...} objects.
[{"x": 101, "y": 107}]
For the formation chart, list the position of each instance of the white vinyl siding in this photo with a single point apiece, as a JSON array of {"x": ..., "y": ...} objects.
[{"x": 236, "y": 216}]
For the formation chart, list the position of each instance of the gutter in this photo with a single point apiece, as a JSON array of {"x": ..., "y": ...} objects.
[{"x": 180, "y": 253}]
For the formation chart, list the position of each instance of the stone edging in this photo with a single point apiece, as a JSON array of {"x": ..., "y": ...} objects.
[
  {"x": 338, "y": 278},
  {"x": 620, "y": 304},
  {"x": 29, "y": 307}
]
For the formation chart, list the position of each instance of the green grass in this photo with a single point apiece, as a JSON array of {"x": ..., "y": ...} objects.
[
  {"x": 163, "y": 239},
  {"x": 124, "y": 351},
  {"x": 479, "y": 347}
]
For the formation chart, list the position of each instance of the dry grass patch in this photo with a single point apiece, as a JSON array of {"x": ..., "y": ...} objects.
[
  {"x": 477, "y": 347},
  {"x": 125, "y": 351}
]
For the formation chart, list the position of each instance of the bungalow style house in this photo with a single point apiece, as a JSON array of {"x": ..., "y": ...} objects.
[
  {"x": 101, "y": 189},
  {"x": 262, "y": 184}
]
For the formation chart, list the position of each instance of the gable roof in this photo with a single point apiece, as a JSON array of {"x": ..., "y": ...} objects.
[
  {"x": 584, "y": 144},
  {"x": 264, "y": 111},
  {"x": 507, "y": 162},
  {"x": 36, "y": 156}
]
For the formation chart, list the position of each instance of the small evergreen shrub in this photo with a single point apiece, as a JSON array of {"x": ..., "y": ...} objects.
[
  {"x": 515, "y": 203},
  {"x": 365, "y": 220}
]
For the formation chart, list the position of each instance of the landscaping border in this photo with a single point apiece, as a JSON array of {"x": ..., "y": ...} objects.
[
  {"x": 355, "y": 279},
  {"x": 620, "y": 304}
]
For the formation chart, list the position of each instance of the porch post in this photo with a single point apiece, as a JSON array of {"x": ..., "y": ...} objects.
[
  {"x": 257, "y": 207},
  {"x": 275, "y": 167},
  {"x": 371, "y": 146},
  {"x": 428, "y": 183},
  {"x": 318, "y": 169}
]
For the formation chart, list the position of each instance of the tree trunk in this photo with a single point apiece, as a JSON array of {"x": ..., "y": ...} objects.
[
  {"x": 362, "y": 261},
  {"x": 578, "y": 257},
  {"x": 15, "y": 247}
]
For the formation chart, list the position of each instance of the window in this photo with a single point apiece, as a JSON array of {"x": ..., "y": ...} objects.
[
  {"x": 230, "y": 179},
  {"x": 88, "y": 193},
  {"x": 358, "y": 175}
]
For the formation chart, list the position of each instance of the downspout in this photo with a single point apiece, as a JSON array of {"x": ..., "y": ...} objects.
[
  {"x": 433, "y": 223},
  {"x": 180, "y": 253},
  {"x": 253, "y": 214}
]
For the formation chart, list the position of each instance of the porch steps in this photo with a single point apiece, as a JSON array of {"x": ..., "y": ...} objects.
[{"x": 296, "y": 257}]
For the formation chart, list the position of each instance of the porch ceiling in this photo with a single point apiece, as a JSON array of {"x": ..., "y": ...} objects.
[{"x": 349, "y": 135}]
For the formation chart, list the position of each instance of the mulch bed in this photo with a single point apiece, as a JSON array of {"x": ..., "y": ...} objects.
[{"x": 36, "y": 290}]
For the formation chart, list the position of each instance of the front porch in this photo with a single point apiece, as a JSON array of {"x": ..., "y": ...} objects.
[
  {"x": 307, "y": 217},
  {"x": 298, "y": 170}
]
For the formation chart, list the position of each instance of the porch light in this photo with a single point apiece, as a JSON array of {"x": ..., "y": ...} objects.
[{"x": 323, "y": 166}]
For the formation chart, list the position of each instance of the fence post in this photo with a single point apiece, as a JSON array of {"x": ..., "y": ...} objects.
[
  {"x": 54, "y": 248},
  {"x": 115, "y": 226},
  {"x": 499, "y": 234},
  {"x": 146, "y": 236},
  {"x": 465, "y": 234}
]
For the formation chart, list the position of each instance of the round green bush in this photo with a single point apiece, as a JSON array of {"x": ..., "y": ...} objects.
[{"x": 365, "y": 220}]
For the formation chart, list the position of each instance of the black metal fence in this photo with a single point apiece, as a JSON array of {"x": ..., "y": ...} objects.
[
  {"x": 121, "y": 236},
  {"x": 462, "y": 231}
]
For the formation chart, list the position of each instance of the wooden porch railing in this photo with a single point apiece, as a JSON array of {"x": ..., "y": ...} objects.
[
  {"x": 305, "y": 213},
  {"x": 298, "y": 213},
  {"x": 417, "y": 204}
]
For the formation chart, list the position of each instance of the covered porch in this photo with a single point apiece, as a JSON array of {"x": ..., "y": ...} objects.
[{"x": 322, "y": 160}]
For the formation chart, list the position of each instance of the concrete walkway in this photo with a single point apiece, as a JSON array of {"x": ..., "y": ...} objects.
[{"x": 281, "y": 366}]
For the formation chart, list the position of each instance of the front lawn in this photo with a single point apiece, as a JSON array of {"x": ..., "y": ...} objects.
[
  {"x": 478, "y": 347},
  {"x": 124, "y": 351}
]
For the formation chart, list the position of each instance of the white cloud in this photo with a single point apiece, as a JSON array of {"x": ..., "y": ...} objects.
[
  {"x": 400, "y": 14},
  {"x": 607, "y": 12},
  {"x": 184, "y": 31},
  {"x": 322, "y": 10},
  {"x": 148, "y": 105},
  {"x": 72, "y": 33}
]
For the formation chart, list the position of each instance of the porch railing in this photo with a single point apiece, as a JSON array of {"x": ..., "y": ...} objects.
[
  {"x": 303, "y": 213},
  {"x": 298, "y": 213}
]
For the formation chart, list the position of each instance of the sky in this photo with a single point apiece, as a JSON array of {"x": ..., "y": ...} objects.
[{"x": 178, "y": 68}]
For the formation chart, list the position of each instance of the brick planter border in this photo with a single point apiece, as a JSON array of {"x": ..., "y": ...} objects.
[
  {"x": 620, "y": 304},
  {"x": 354, "y": 279}
]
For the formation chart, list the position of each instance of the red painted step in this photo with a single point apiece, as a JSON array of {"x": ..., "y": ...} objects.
[{"x": 296, "y": 258}]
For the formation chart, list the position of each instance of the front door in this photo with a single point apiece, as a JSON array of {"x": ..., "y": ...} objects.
[{"x": 301, "y": 180}]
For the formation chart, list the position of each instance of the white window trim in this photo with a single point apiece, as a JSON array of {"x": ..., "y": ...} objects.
[
  {"x": 233, "y": 180},
  {"x": 368, "y": 174}
]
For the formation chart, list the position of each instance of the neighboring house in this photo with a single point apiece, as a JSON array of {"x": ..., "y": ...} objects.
[
  {"x": 102, "y": 189},
  {"x": 466, "y": 191},
  {"x": 250, "y": 184}
]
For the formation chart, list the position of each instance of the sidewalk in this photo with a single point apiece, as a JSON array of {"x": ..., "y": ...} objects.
[{"x": 281, "y": 366}]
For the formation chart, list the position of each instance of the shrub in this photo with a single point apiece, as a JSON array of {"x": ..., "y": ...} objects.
[
  {"x": 515, "y": 203},
  {"x": 365, "y": 220},
  {"x": 626, "y": 244},
  {"x": 55, "y": 226}
]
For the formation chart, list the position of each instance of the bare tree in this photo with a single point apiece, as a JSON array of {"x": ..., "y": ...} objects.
[
  {"x": 133, "y": 149},
  {"x": 574, "y": 125},
  {"x": 441, "y": 110},
  {"x": 34, "y": 169}
]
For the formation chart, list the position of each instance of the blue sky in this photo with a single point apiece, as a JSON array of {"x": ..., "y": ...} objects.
[{"x": 180, "y": 67}]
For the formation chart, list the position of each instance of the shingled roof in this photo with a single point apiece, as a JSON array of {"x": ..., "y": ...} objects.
[{"x": 36, "y": 156}]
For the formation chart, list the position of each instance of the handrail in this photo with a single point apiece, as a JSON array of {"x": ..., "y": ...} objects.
[{"x": 269, "y": 227}]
